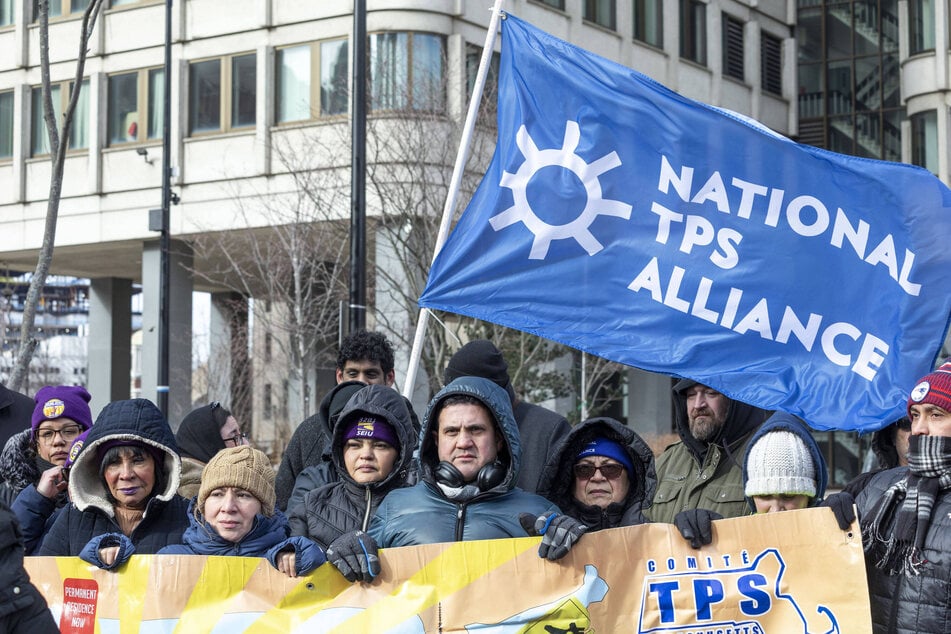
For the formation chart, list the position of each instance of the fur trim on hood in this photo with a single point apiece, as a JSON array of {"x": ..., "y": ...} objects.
[
  {"x": 18, "y": 467},
  {"x": 136, "y": 420}
]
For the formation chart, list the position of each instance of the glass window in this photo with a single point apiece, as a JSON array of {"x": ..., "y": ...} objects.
[
  {"x": 558, "y": 4},
  {"x": 693, "y": 31},
  {"x": 135, "y": 98},
  {"x": 389, "y": 71},
  {"x": 6, "y": 12},
  {"x": 427, "y": 73},
  {"x": 811, "y": 95},
  {"x": 600, "y": 12},
  {"x": 490, "y": 93},
  {"x": 204, "y": 96},
  {"x": 921, "y": 25},
  {"x": 6, "y": 124},
  {"x": 924, "y": 140},
  {"x": 297, "y": 81},
  {"x": 243, "y": 92},
  {"x": 226, "y": 85},
  {"x": 156, "y": 103},
  {"x": 732, "y": 47},
  {"x": 771, "y": 64},
  {"x": 406, "y": 72},
  {"x": 891, "y": 135},
  {"x": 649, "y": 22},
  {"x": 123, "y": 108},
  {"x": 59, "y": 93},
  {"x": 61, "y": 8},
  {"x": 840, "y": 87},
  {"x": 293, "y": 83},
  {"x": 334, "y": 72}
]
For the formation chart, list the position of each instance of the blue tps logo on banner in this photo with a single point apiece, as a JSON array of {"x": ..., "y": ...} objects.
[{"x": 622, "y": 219}]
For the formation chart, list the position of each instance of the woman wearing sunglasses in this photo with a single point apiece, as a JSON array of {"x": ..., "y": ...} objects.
[{"x": 602, "y": 474}]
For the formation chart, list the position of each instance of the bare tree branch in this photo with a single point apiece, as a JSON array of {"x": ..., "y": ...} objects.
[{"x": 59, "y": 145}]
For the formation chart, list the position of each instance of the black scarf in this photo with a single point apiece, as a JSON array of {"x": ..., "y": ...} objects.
[{"x": 910, "y": 501}]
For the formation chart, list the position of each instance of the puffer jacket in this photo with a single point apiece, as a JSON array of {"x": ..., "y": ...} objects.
[
  {"x": 309, "y": 449},
  {"x": 781, "y": 421},
  {"x": 16, "y": 410},
  {"x": 267, "y": 537},
  {"x": 23, "y": 609},
  {"x": 558, "y": 478},
  {"x": 91, "y": 514},
  {"x": 910, "y": 603},
  {"x": 334, "y": 509},
  {"x": 692, "y": 474},
  {"x": 422, "y": 514}
]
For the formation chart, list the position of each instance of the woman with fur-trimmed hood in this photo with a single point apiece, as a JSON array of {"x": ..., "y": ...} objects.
[
  {"x": 122, "y": 488},
  {"x": 607, "y": 496}
]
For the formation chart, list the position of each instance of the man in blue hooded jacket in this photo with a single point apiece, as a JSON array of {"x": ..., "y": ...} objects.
[{"x": 468, "y": 464}]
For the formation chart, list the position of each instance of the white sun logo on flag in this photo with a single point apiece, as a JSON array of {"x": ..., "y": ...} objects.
[{"x": 587, "y": 173}]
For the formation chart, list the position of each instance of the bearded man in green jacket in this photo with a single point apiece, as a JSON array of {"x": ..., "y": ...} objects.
[{"x": 705, "y": 468}]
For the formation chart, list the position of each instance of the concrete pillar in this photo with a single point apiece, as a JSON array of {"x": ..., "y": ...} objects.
[
  {"x": 229, "y": 367},
  {"x": 649, "y": 405},
  {"x": 180, "y": 326},
  {"x": 109, "y": 340}
]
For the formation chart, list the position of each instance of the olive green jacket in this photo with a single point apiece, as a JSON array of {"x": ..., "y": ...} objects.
[
  {"x": 709, "y": 475},
  {"x": 716, "y": 485}
]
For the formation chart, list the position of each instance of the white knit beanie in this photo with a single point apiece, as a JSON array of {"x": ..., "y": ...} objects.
[{"x": 779, "y": 464}]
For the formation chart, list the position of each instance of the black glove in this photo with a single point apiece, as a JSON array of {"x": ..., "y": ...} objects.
[
  {"x": 843, "y": 507},
  {"x": 559, "y": 533},
  {"x": 354, "y": 554},
  {"x": 696, "y": 526}
]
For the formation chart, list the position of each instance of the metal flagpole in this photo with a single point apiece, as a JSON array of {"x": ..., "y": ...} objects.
[{"x": 461, "y": 157}]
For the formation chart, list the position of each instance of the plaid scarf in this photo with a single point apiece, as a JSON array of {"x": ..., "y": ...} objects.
[{"x": 910, "y": 501}]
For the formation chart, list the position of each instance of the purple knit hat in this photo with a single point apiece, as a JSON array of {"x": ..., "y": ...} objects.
[
  {"x": 371, "y": 427},
  {"x": 62, "y": 401}
]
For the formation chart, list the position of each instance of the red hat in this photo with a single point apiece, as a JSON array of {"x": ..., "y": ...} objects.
[{"x": 934, "y": 388}]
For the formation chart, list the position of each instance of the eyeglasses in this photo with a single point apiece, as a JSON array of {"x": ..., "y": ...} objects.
[
  {"x": 611, "y": 471},
  {"x": 238, "y": 439},
  {"x": 67, "y": 433}
]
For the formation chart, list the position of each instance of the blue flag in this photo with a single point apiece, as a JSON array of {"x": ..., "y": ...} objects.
[{"x": 620, "y": 218}]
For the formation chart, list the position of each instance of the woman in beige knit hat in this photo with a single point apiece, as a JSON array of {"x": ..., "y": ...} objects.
[{"x": 234, "y": 514}]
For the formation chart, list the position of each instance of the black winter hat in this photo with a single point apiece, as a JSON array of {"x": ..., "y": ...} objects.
[
  {"x": 480, "y": 358},
  {"x": 341, "y": 395}
]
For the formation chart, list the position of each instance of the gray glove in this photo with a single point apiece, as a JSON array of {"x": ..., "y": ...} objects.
[
  {"x": 559, "y": 533},
  {"x": 354, "y": 554},
  {"x": 696, "y": 526}
]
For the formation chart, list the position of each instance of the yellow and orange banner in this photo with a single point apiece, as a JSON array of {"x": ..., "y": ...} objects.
[{"x": 790, "y": 572}]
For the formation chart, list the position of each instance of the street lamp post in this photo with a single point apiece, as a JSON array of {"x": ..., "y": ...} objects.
[
  {"x": 164, "y": 272},
  {"x": 358, "y": 122}
]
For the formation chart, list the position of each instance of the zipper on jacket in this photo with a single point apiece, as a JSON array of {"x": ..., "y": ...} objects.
[
  {"x": 367, "y": 496},
  {"x": 460, "y": 521}
]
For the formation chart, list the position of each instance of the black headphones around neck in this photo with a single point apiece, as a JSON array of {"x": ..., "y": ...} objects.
[{"x": 490, "y": 475}]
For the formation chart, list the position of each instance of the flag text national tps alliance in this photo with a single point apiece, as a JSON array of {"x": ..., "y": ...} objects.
[{"x": 622, "y": 219}]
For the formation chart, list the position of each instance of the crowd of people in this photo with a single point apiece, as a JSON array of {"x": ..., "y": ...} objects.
[{"x": 366, "y": 473}]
